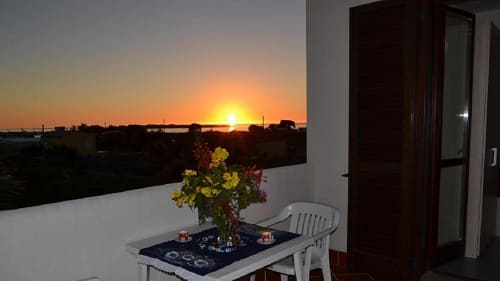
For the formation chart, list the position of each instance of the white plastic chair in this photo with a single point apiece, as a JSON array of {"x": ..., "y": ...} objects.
[{"x": 311, "y": 219}]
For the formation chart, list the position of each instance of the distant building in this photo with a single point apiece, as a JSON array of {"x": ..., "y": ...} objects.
[
  {"x": 60, "y": 129},
  {"x": 194, "y": 128},
  {"x": 288, "y": 124},
  {"x": 254, "y": 129},
  {"x": 283, "y": 126}
]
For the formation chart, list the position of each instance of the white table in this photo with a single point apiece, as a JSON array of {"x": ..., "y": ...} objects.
[{"x": 242, "y": 267}]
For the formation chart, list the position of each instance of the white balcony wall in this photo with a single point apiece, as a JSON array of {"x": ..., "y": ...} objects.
[
  {"x": 328, "y": 103},
  {"x": 78, "y": 239}
]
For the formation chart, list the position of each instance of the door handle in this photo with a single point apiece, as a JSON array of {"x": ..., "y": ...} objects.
[
  {"x": 493, "y": 162},
  {"x": 346, "y": 175}
]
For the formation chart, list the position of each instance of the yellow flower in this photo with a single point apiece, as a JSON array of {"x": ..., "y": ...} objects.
[
  {"x": 190, "y": 173},
  {"x": 232, "y": 180},
  {"x": 206, "y": 191},
  {"x": 191, "y": 200},
  {"x": 220, "y": 154},
  {"x": 179, "y": 202},
  {"x": 176, "y": 194},
  {"x": 209, "y": 179}
]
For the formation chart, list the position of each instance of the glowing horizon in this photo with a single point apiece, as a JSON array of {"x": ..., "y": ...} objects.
[{"x": 151, "y": 62}]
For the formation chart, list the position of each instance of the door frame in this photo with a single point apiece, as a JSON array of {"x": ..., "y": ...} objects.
[
  {"x": 438, "y": 254},
  {"x": 478, "y": 134},
  {"x": 478, "y": 129}
]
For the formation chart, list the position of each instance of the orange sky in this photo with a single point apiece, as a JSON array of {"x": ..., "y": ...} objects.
[{"x": 198, "y": 62}]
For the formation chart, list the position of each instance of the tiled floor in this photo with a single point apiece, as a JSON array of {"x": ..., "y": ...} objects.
[
  {"x": 484, "y": 268},
  {"x": 433, "y": 276}
]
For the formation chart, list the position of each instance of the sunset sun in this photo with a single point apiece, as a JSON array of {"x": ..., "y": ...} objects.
[{"x": 231, "y": 119}]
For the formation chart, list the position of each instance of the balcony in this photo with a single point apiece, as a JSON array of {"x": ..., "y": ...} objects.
[{"x": 77, "y": 239}]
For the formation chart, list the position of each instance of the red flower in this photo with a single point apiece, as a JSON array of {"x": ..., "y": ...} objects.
[{"x": 202, "y": 154}]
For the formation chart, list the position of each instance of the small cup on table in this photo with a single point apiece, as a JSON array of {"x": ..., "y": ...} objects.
[
  {"x": 266, "y": 237},
  {"x": 183, "y": 235}
]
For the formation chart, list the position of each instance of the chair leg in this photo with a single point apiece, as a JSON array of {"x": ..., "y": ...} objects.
[
  {"x": 325, "y": 268},
  {"x": 284, "y": 277}
]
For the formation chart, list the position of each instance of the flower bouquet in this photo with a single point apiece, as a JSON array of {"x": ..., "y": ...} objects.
[{"x": 219, "y": 191}]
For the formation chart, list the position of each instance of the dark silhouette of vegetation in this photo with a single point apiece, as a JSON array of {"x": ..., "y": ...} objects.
[{"x": 130, "y": 157}]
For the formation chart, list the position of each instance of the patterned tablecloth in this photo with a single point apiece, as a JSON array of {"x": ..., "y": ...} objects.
[{"x": 203, "y": 254}]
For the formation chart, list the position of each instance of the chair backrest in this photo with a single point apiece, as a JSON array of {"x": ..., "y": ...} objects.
[{"x": 310, "y": 218}]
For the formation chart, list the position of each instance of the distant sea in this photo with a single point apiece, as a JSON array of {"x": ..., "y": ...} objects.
[
  {"x": 219, "y": 128},
  {"x": 205, "y": 128}
]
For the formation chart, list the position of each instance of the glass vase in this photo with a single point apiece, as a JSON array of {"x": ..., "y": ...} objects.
[
  {"x": 228, "y": 228},
  {"x": 224, "y": 230}
]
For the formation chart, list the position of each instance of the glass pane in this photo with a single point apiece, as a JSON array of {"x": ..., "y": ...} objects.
[
  {"x": 451, "y": 205},
  {"x": 456, "y": 86}
]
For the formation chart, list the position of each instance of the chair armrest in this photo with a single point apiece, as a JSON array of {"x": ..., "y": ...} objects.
[{"x": 283, "y": 215}]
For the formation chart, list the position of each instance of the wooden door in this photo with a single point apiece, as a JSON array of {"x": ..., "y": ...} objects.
[
  {"x": 382, "y": 62},
  {"x": 490, "y": 178}
]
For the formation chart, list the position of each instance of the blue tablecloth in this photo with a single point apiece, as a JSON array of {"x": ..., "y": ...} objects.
[{"x": 193, "y": 258}]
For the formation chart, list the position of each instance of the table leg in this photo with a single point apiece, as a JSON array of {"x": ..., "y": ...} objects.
[{"x": 143, "y": 272}]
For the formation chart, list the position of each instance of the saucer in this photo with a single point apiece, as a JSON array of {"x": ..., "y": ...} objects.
[
  {"x": 200, "y": 263},
  {"x": 189, "y": 239},
  {"x": 172, "y": 255},
  {"x": 265, "y": 243}
]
